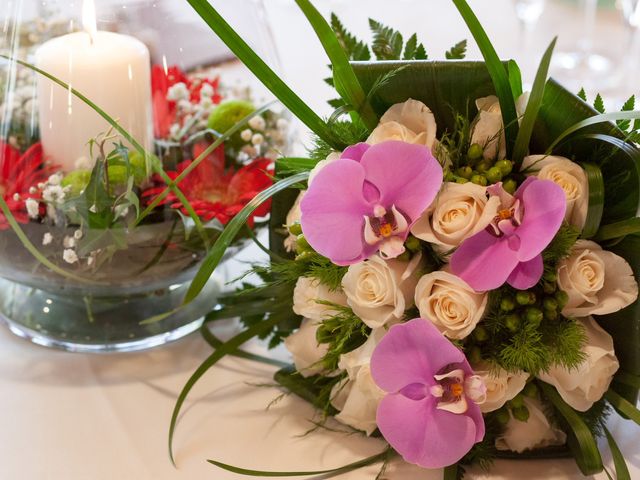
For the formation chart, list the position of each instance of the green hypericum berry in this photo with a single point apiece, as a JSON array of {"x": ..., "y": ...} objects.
[
  {"x": 481, "y": 334},
  {"x": 517, "y": 401},
  {"x": 412, "y": 244},
  {"x": 551, "y": 315},
  {"x": 510, "y": 185},
  {"x": 550, "y": 304},
  {"x": 475, "y": 355},
  {"x": 465, "y": 172},
  {"x": 525, "y": 298},
  {"x": 475, "y": 152},
  {"x": 228, "y": 113},
  {"x": 479, "y": 180},
  {"x": 505, "y": 167},
  {"x": 77, "y": 180},
  {"x": 550, "y": 276},
  {"x": 512, "y": 322},
  {"x": 534, "y": 315},
  {"x": 530, "y": 390},
  {"x": 302, "y": 245},
  {"x": 562, "y": 298},
  {"x": 494, "y": 175},
  {"x": 295, "y": 229},
  {"x": 484, "y": 166},
  {"x": 549, "y": 287},
  {"x": 461, "y": 180},
  {"x": 520, "y": 413},
  {"x": 502, "y": 416},
  {"x": 507, "y": 304},
  {"x": 449, "y": 177}
]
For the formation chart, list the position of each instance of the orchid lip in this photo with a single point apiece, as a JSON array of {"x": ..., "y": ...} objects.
[{"x": 454, "y": 388}]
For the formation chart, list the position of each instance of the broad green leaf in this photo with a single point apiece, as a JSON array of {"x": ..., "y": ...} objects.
[
  {"x": 496, "y": 70},
  {"x": 579, "y": 438},
  {"x": 515, "y": 79},
  {"x": 627, "y": 379},
  {"x": 596, "y": 199},
  {"x": 619, "y": 462},
  {"x": 262, "y": 71},
  {"x": 521, "y": 148},
  {"x": 620, "y": 229},
  {"x": 623, "y": 406}
]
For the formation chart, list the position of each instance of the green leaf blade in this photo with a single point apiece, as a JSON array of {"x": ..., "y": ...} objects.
[
  {"x": 596, "y": 200},
  {"x": 619, "y": 463}
]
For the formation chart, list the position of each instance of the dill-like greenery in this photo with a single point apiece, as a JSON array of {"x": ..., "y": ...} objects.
[
  {"x": 342, "y": 332},
  {"x": 348, "y": 132}
]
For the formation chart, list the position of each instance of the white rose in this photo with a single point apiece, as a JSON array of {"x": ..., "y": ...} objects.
[
  {"x": 357, "y": 396},
  {"x": 536, "y": 432},
  {"x": 502, "y": 386},
  {"x": 459, "y": 211},
  {"x": 411, "y": 121},
  {"x": 583, "y": 386},
  {"x": 293, "y": 217},
  {"x": 568, "y": 175},
  {"x": 449, "y": 303},
  {"x": 379, "y": 291},
  {"x": 306, "y": 294},
  {"x": 598, "y": 282},
  {"x": 306, "y": 351}
]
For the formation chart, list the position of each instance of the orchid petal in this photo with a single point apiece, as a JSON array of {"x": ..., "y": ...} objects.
[
  {"x": 410, "y": 353},
  {"x": 333, "y": 211},
  {"x": 527, "y": 274},
  {"x": 407, "y": 176},
  {"x": 484, "y": 261},
  {"x": 355, "y": 152}
]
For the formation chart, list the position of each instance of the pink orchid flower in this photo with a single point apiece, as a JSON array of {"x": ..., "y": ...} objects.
[
  {"x": 510, "y": 248},
  {"x": 430, "y": 414},
  {"x": 368, "y": 200}
]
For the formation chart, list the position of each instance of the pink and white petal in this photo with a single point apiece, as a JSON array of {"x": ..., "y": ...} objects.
[
  {"x": 355, "y": 152},
  {"x": 407, "y": 176},
  {"x": 475, "y": 414},
  {"x": 527, "y": 274},
  {"x": 422, "y": 434},
  {"x": 333, "y": 211},
  {"x": 544, "y": 204},
  {"x": 484, "y": 261},
  {"x": 412, "y": 352}
]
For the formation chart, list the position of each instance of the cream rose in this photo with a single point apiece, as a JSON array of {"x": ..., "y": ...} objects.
[
  {"x": 306, "y": 294},
  {"x": 502, "y": 386},
  {"x": 449, "y": 303},
  {"x": 459, "y": 211},
  {"x": 583, "y": 386},
  {"x": 598, "y": 282},
  {"x": 411, "y": 121},
  {"x": 307, "y": 353},
  {"x": 379, "y": 291},
  {"x": 357, "y": 396},
  {"x": 536, "y": 432},
  {"x": 568, "y": 175}
]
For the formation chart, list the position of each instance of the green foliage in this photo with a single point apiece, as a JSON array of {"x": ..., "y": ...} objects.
[
  {"x": 560, "y": 246},
  {"x": 342, "y": 332},
  {"x": 582, "y": 95},
  {"x": 628, "y": 106},
  {"x": 355, "y": 49},
  {"x": 598, "y": 104},
  {"x": 350, "y": 133},
  {"x": 388, "y": 44},
  {"x": 458, "y": 51}
]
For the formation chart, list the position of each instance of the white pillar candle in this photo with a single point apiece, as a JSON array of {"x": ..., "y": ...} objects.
[{"x": 111, "y": 70}]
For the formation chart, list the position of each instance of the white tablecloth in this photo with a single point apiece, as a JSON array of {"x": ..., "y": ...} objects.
[{"x": 76, "y": 417}]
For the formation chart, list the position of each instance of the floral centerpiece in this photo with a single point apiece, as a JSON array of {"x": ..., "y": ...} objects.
[{"x": 454, "y": 265}]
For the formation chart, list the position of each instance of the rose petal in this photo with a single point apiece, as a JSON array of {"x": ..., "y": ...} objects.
[
  {"x": 333, "y": 211},
  {"x": 412, "y": 352},
  {"x": 484, "y": 261},
  {"x": 406, "y": 175},
  {"x": 527, "y": 274},
  {"x": 424, "y": 435}
]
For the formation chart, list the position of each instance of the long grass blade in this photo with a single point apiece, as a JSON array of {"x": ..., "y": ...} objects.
[
  {"x": 596, "y": 200},
  {"x": 623, "y": 406},
  {"x": 619, "y": 463}
]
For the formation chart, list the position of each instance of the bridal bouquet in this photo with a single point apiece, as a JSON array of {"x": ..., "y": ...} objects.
[{"x": 454, "y": 264}]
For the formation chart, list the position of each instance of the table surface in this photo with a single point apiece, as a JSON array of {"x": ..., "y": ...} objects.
[{"x": 74, "y": 417}]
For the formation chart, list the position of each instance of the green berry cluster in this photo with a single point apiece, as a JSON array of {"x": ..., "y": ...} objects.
[
  {"x": 515, "y": 407},
  {"x": 484, "y": 172}
]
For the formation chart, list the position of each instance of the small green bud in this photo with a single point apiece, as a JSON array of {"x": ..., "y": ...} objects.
[
  {"x": 510, "y": 185},
  {"x": 77, "y": 180},
  {"x": 465, "y": 172},
  {"x": 517, "y": 401},
  {"x": 512, "y": 322},
  {"x": 475, "y": 152},
  {"x": 534, "y": 315},
  {"x": 551, "y": 315},
  {"x": 550, "y": 276},
  {"x": 550, "y": 304},
  {"x": 484, "y": 166},
  {"x": 521, "y": 413},
  {"x": 304, "y": 256},
  {"x": 505, "y": 167},
  {"x": 494, "y": 175},
  {"x": 507, "y": 304},
  {"x": 479, "y": 180},
  {"x": 562, "y": 298},
  {"x": 530, "y": 390},
  {"x": 525, "y": 297},
  {"x": 481, "y": 334},
  {"x": 474, "y": 356},
  {"x": 228, "y": 113},
  {"x": 549, "y": 287},
  {"x": 302, "y": 245},
  {"x": 449, "y": 177},
  {"x": 413, "y": 244},
  {"x": 461, "y": 180},
  {"x": 502, "y": 416},
  {"x": 295, "y": 229}
]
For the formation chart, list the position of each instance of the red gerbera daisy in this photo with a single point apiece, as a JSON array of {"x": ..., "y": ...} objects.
[
  {"x": 214, "y": 193},
  {"x": 18, "y": 173}
]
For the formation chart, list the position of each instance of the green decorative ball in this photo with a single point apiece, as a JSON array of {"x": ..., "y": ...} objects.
[
  {"x": 77, "y": 180},
  {"x": 494, "y": 175},
  {"x": 475, "y": 152},
  {"x": 228, "y": 113},
  {"x": 510, "y": 185}
]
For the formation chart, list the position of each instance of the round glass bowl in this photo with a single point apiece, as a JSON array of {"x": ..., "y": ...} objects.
[{"x": 115, "y": 173}]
